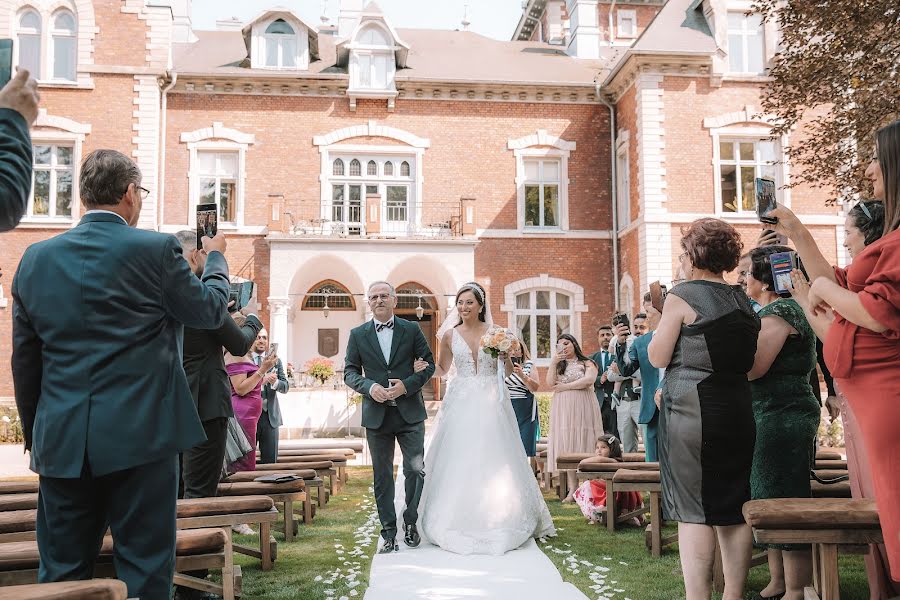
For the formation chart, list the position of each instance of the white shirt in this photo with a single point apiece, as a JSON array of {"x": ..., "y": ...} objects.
[
  {"x": 385, "y": 339},
  {"x": 108, "y": 212}
]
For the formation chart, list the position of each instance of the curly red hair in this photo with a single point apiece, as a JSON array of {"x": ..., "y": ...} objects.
[{"x": 712, "y": 245}]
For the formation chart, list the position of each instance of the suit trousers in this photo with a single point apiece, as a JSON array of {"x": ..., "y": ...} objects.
[
  {"x": 608, "y": 413},
  {"x": 267, "y": 438},
  {"x": 628, "y": 413},
  {"x": 202, "y": 464},
  {"x": 650, "y": 436},
  {"x": 411, "y": 437},
  {"x": 137, "y": 504}
]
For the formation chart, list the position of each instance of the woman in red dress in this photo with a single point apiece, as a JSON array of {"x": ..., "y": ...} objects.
[{"x": 864, "y": 339}]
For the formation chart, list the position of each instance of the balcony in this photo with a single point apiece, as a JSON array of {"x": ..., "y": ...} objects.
[{"x": 374, "y": 219}]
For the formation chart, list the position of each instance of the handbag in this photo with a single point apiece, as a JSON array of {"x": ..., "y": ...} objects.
[{"x": 236, "y": 443}]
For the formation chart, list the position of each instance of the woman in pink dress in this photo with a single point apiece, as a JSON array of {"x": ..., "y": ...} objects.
[{"x": 246, "y": 399}]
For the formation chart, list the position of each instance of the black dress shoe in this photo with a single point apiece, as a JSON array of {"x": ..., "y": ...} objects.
[
  {"x": 389, "y": 546},
  {"x": 411, "y": 536}
]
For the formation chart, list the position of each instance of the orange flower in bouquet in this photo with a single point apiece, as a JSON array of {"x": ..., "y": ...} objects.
[{"x": 497, "y": 340}]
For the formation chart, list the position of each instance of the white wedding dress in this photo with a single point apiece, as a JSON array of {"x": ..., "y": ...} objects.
[{"x": 480, "y": 495}]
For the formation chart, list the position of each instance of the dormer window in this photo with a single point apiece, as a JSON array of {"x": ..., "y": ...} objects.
[
  {"x": 281, "y": 45},
  {"x": 373, "y": 64}
]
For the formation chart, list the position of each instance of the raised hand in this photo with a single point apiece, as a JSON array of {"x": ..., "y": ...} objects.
[{"x": 800, "y": 291}]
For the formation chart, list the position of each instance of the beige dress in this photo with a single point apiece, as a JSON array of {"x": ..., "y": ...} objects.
[{"x": 575, "y": 421}]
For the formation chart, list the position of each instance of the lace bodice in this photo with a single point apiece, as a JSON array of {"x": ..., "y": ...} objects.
[
  {"x": 574, "y": 372},
  {"x": 465, "y": 365}
]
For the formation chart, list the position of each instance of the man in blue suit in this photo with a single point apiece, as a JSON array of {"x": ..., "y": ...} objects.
[
  {"x": 98, "y": 314},
  {"x": 638, "y": 360}
]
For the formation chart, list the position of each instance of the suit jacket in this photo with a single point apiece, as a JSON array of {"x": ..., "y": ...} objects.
[
  {"x": 603, "y": 389},
  {"x": 364, "y": 366},
  {"x": 270, "y": 395},
  {"x": 204, "y": 363},
  {"x": 98, "y": 315},
  {"x": 638, "y": 359},
  {"x": 15, "y": 168}
]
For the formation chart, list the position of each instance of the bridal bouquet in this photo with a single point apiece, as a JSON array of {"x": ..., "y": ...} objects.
[{"x": 497, "y": 340}]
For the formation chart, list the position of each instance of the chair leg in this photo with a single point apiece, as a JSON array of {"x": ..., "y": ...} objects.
[
  {"x": 307, "y": 510},
  {"x": 656, "y": 524},
  {"x": 830, "y": 578},
  {"x": 611, "y": 511},
  {"x": 228, "y": 568},
  {"x": 265, "y": 549},
  {"x": 288, "y": 521}
]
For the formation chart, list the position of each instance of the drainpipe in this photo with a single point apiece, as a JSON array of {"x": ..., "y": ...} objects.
[
  {"x": 612, "y": 189},
  {"x": 172, "y": 76}
]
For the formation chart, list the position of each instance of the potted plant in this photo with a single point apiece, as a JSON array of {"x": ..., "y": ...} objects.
[{"x": 320, "y": 369}]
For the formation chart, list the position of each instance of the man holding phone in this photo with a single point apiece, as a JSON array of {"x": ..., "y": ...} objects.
[
  {"x": 274, "y": 382},
  {"x": 18, "y": 109}
]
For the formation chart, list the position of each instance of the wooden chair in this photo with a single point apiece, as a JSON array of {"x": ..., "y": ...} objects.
[
  {"x": 826, "y": 523},
  {"x": 284, "y": 493},
  {"x": 93, "y": 589},
  {"x": 194, "y": 550}
]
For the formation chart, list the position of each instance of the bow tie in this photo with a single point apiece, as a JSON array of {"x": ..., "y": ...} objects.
[{"x": 380, "y": 326}]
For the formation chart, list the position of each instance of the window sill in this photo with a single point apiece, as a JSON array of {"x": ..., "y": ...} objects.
[
  {"x": 63, "y": 85},
  {"x": 38, "y": 223},
  {"x": 747, "y": 77},
  {"x": 543, "y": 230}
]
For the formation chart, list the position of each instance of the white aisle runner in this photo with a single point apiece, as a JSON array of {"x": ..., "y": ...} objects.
[{"x": 429, "y": 573}]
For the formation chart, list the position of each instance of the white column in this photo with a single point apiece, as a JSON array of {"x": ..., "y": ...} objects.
[{"x": 278, "y": 330}]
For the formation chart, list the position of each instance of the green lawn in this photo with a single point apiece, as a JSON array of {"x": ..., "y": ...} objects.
[{"x": 324, "y": 557}]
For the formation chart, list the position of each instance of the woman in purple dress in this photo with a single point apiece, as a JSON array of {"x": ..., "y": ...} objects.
[{"x": 246, "y": 399}]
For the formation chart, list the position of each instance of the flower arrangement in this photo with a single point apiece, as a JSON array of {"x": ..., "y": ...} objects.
[
  {"x": 320, "y": 368},
  {"x": 497, "y": 340}
]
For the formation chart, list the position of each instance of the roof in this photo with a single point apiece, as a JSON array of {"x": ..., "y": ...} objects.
[
  {"x": 678, "y": 28},
  {"x": 434, "y": 55}
]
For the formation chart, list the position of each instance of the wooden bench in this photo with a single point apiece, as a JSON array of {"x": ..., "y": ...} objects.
[
  {"x": 631, "y": 480},
  {"x": 305, "y": 455},
  {"x": 589, "y": 469},
  {"x": 830, "y": 490},
  {"x": 826, "y": 523},
  {"x": 324, "y": 469},
  {"x": 29, "y": 486},
  {"x": 828, "y": 455},
  {"x": 831, "y": 464},
  {"x": 22, "y": 501},
  {"x": 195, "y": 549},
  {"x": 569, "y": 462},
  {"x": 284, "y": 493},
  {"x": 357, "y": 445},
  {"x": 310, "y": 479},
  {"x": 92, "y": 589},
  {"x": 338, "y": 464}
]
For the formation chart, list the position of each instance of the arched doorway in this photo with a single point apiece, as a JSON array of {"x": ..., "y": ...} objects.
[{"x": 417, "y": 303}]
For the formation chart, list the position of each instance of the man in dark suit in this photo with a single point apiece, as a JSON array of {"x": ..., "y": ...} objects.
[
  {"x": 603, "y": 387},
  {"x": 98, "y": 316},
  {"x": 637, "y": 360},
  {"x": 274, "y": 382},
  {"x": 379, "y": 365},
  {"x": 204, "y": 366},
  {"x": 18, "y": 109}
]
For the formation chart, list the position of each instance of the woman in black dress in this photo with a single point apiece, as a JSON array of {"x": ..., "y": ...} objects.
[{"x": 706, "y": 340}]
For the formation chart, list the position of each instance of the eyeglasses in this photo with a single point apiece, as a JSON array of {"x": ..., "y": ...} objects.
[
  {"x": 145, "y": 193},
  {"x": 377, "y": 297}
]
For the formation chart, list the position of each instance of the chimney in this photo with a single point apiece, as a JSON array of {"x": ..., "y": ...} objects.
[
  {"x": 584, "y": 28},
  {"x": 181, "y": 19},
  {"x": 348, "y": 16},
  {"x": 326, "y": 28},
  {"x": 232, "y": 24}
]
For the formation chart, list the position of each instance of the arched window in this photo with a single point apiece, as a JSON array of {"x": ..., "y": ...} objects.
[
  {"x": 355, "y": 168},
  {"x": 337, "y": 168},
  {"x": 541, "y": 316},
  {"x": 404, "y": 169},
  {"x": 372, "y": 168},
  {"x": 373, "y": 36},
  {"x": 281, "y": 44},
  {"x": 29, "y": 46},
  {"x": 374, "y": 64},
  {"x": 389, "y": 169},
  {"x": 65, "y": 45},
  {"x": 329, "y": 292},
  {"x": 408, "y": 296}
]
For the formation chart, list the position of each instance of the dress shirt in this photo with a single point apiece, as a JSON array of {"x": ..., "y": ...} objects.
[
  {"x": 385, "y": 339},
  {"x": 108, "y": 212},
  {"x": 257, "y": 358}
]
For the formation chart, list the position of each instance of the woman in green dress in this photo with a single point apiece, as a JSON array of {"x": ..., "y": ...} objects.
[{"x": 787, "y": 415}]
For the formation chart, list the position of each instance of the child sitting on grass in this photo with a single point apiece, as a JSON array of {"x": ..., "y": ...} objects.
[{"x": 591, "y": 495}]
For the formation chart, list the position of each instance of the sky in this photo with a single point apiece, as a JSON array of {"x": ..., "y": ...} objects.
[{"x": 492, "y": 18}]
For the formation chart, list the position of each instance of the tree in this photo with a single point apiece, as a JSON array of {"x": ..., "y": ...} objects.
[{"x": 837, "y": 72}]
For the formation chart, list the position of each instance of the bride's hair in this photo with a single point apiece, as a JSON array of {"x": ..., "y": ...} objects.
[{"x": 480, "y": 297}]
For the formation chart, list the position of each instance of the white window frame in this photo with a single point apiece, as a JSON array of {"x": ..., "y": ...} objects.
[
  {"x": 218, "y": 177},
  {"x": 757, "y": 163},
  {"x": 623, "y": 182},
  {"x": 622, "y": 17},
  {"x": 53, "y": 33},
  {"x": 53, "y": 168},
  {"x": 745, "y": 34},
  {"x": 541, "y": 145},
  {"x": 554, "y": 285},
  {"x": 387, "y": 52},
  {"x": 39, "y": 33},
  {"x": 259, "y": 40},
  {"x": 542, "y": 183}
]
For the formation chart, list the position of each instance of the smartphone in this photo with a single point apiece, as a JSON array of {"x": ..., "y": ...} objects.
[
  {"x": 6, "y": 53},
  {"x": 765, "y": 200},
  {"x": 273, "y": 349},
  {"x": 782, "y": 264},
  {"x": 621, "y": 319},
  {"x": 207, "y": 222},
  {"x": 516, "y": 360},
  {"x": 657, "y": 295},
  {"x": 241, "y": 292}
]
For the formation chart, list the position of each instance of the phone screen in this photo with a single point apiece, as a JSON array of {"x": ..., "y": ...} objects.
[
  {"x": 6, "y": 53},
  {"x": 765, "y": 199},
  {"x": 782, "y": 265},
  {"x": 273, "y": 349},
  {"x": 207, "y": 222}
]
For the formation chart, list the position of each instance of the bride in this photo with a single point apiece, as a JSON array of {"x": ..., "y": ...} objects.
[{"x": 480, "y": 495}]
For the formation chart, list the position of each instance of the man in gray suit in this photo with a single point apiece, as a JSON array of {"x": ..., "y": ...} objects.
[
  {"x": 274, "y": 382},
  {"x": 98, "y": 314}
]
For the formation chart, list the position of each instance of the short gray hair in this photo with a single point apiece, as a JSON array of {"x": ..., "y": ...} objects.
[
  {"x": 105, "y": 176},
  {"x": 187, "y": 238},
  {"x": 374, "y": 283}
]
